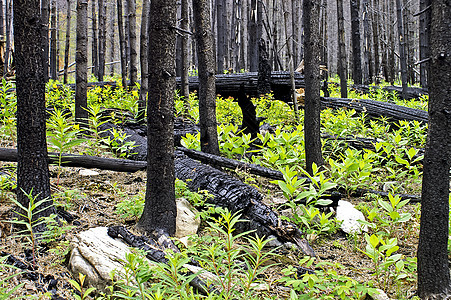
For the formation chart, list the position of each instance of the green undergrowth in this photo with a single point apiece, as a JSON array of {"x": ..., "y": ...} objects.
[{"x": 243, "y": 266}]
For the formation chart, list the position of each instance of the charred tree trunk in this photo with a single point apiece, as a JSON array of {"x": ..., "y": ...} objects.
[
  {"x": 221, "y": 21},
  {"x": 160, "y": 209},
  {"x": 102, "y": 39},
  {"x": 67, "y": 45},
  {"x": 185, "y": 50},
  {"x": 342, "y": 68},
  {"x": 367, "y": 74},
  {"x": 312, "y": 120},
  {"x": 356, "y": 55},
  {"x": 131, "y": 4},
  {"x": 53, "y": 41},
  {"x": 32, "y": 169},
  {"x": 143, "y": 53},
  {"x": 95, "y": 40},
  {"x": 375, "y": 26},
  {"x": 207, "y": 90},
  {"x": 252, "y": 40},
  {"x": 122, "y": 43},
  {"x": 402, "y": 48},
  {"x": 45, "y": 18},
  {"x": 8, "y": 14},
  {"x": 112, "y": 36},
  {"x": 425, "y": 20},
  {"x": 433, "y": 266},
  {"x": 81, "y": 59}
]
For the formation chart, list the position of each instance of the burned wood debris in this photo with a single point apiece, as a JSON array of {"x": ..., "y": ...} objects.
[
  {"x": 377, "y": 109},
  {"x": 412, "y": 92}
]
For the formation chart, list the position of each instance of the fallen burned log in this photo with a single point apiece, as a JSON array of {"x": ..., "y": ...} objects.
[
  {"x": 83, "y": 161},
  {"x": 377, "y": 109},
  {"x": 233, "y": 194},
  {"x": 238, "y": 197},
  {"x": 412, "y": 92}
]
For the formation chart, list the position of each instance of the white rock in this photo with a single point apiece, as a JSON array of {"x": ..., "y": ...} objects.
[
  {"x": 378, "y": 295},
  {"x": 347, "y": 213},
  {"x": 95, "y": 254},
  {"x": 187, "y": 223},
  {"x": 88, "y": 172}
]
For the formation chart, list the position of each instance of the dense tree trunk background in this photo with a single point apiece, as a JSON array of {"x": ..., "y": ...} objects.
[{"x": 81, "y": 58}]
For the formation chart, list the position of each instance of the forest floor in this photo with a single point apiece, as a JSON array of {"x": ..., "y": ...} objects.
[{"x": 93, "y": 200}]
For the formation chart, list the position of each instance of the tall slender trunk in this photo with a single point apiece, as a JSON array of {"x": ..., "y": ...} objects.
[
  {"x": 367, "y": 78},
  {"x": 312, "y": 121},
  {"x": 122, "y": 44},
  {"x": 221, "y": 36},
  {"x": 252, "y": 41},
  {"x": 32, "y": 163},
  {"x": 2, "y": 20},
  {"x": 143, "y": 53},
  {"x": 356, "y": 52},
  {"x": 102, "y": 39},
  {"x": 112, "y": 39},
  {"x": 207, "y": 85},
  {"x": 45, "y": 18},
  {"x": 8, "y": 13},
  {"x": 132, "y": 40},
  {"x": 185, "y": 49},
  {"x": 433, "y": 263},
  {"x": 375, "y": 25},
  {"x": 425, "y": 19},
  {"x": 290, "y": 62},
  {"x": 342, "y": 69},
  {"x": 243, "y": 34},
  {"x": 81, "y": 59},
  {"x": 160, "y": 211},
  {"x": 67, "y": 45},
  {"x": 402, "y": 48},
  {"x": 95, "y": 40},
  {"x": 53, "y": 43}
]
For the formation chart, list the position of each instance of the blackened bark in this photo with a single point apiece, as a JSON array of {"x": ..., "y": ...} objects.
[
  {"x": 102, "y": 39},
  {"x": 342, "y": 68},
  {"x": 375, "y": 26},
  {"x": 112, "y": 37},
  {"x": 95, "y": 40},
  {"x": 122, "y": 43},
  {"x": 45, "y": 16},
  {"x": 32, "y": 167},
  {"x": 264, "y": 69},
  {"x": 402, "y": 47},
  {"x": 53, "y": 41},
  {"x": 290, "y": 61},
  {"x": 425, "y": 20},
  {"x": 8, "y": 14},
  {"x": 355, "y": 40},
  {"x": 143, "y": 52},
  {"x": 160, "y": 210},
  {"x": 81, "y": 59},
  {"x": 366, "y": 70},
  {"x": 185, "y": 50},
  {"x": 252, "y": 40},
  {"x": 250, "y": 124},
  {"x": 206, "y": 66},
  {"x": 312, "y": 109},
  {"x": 221, "y": 43},
  {"x": 433, "y": 267},
  {"x": 67, "y": 45},
  {"x": 131, "y": 4}
]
